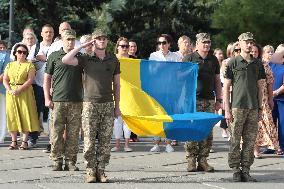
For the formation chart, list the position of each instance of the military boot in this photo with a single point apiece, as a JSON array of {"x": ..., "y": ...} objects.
[
  {"x": 246, "y": 176},
  {"x": 90, "y": 177},
  {"x": 204, "y": 166},
  {"x": 70, "y": 166},
  {"x": 237, "y": 175},
  {"x": 101, "y": 177},
  {"x": 191, "y": 166},
  {"x": 57, "y": 166}
]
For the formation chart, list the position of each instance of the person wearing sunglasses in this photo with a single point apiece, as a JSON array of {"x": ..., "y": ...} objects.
[
  {"x": 208, "y": 99},
  {"x": 120, "y": 127},
  {"x": 163, "y": 54},
  {"x": 236, "y": 49},
  {"x": 20, "y": 100}
]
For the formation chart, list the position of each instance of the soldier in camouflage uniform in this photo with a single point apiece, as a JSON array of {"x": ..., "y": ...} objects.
[
  {"x": 208, "y": 81},
  {"x": 101, "y": 102},
  {"x": 66, "y": 105},
  {"x": 244, "y": 73}
]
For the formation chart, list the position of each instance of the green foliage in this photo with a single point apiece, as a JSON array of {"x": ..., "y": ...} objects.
[
  {"x": 36, "y": 13},
  {"x": 145, "y": 20},
  {"x": 263, "y": 18}
]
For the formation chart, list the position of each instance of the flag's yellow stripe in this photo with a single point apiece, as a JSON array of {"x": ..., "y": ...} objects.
[{"x": 142, "y": 113}]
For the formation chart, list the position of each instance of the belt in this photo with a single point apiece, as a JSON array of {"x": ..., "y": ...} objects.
[{"x": 13, "y": 84}]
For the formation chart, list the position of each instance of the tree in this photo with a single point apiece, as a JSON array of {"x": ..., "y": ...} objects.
[
  {"x": 145, "y": 20},
  {"x": 265, "y": 19},
  {"x": 36, "y": 13}
]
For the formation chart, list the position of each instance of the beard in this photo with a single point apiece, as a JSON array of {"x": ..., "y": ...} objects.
[{"x": 99, "y": 48}]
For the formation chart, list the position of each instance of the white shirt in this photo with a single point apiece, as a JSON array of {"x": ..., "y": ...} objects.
[
  {"x": 179, "y": 55},
  {"x": 40, "y": 65},
  {"x": 158, "y": 55},
  {"x": 56, "y": 46}
]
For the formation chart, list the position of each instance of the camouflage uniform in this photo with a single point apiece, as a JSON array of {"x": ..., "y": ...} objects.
[
  {"x": 65, "y": 114},
  {"x": 201, "y": 149},
  {"x": 245, "y": 125},
  {"x": 97, "y": 120}
]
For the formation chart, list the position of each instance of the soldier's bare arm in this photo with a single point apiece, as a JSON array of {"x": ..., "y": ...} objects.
[
  {"x": 46, "y": 90},
  {"x": 116, "y": 87},
  {"x": 226, "y": 99}
]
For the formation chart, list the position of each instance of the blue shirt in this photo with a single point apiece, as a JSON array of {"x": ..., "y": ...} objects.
[
  {"x": 278, "y": 74},
  {"x": 4, "y": 60}
]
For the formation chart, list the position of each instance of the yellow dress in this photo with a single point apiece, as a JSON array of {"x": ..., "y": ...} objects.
[{"x": 21, "y": 110}]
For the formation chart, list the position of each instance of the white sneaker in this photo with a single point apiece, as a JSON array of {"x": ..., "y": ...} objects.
[
  {"x": 169, "y": 148},
  {"x": 127, "y": 149},
  {"x": 114, "y": 149},
  {"x": 155, "y": 148}
]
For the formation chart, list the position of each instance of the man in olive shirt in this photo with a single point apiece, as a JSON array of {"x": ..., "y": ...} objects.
[
  {"x": 243, "y": 73},
  {"x": 208, "y": 82},
  {"x": 66, "y": 105},
  {"x": 101, "y": 90}
]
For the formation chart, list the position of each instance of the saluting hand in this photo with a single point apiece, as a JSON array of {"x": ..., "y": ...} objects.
[{"x": 87, "y": 43}]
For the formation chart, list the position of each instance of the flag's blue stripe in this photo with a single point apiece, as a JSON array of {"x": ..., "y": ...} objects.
[
  {"x": 172, "y": 84},
  {"x": 191, "y": 126}
]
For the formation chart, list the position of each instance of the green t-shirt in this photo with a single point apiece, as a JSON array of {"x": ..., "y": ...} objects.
[
  {"x": 208, "y": 68},
  {"x": 244, "y": 76},
  {"x": 66, "y": 79},
  {"x": 98, "y": 77}
]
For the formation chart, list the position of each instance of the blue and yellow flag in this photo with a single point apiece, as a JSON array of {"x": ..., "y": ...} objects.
[{"x": 159, "y": 99}]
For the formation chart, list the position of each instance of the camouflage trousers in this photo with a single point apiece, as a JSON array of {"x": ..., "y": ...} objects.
[
  {"x": 65, "y": 115},
  {"x": 201, "y": 149},
  {"x": 97, "y": 121},
  {"x": 245, "y": 126}
]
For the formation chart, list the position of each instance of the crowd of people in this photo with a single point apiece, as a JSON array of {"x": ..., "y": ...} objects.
[{"x": 79, "y": 81}]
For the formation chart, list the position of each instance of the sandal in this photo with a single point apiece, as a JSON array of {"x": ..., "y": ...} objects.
[
  {"x": 22, "y": 147},
  {"x": 11, "y": 147},
  {"x": 279, "y": 152}
]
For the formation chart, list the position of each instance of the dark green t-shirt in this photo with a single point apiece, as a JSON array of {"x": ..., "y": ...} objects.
[
  {"x": 98, "y": 77},
  {"x": 66, "y": 79},
  {"x": 207, "y": 70},
  {"x": 244, "y": 76}
]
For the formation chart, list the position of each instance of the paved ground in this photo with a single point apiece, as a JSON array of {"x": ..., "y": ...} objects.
[{"x": 139, "y": 169}]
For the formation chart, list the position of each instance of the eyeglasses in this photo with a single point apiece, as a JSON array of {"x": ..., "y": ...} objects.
[
  {"x": 237, "y": 50},
  {"x": 162, "y": 42},
  {"x": 22, "y": 52},
  {"x": 124, "y": 46}
]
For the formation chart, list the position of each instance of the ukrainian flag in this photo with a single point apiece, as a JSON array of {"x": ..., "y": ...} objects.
[{"x": 159, "y": 99}]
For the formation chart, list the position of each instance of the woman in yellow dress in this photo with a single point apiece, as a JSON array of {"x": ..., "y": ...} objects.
[{"x": 20, "y": 101}]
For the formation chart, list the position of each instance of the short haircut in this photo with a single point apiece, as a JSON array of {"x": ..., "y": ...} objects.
[
  {"x": 166, "y": 36},
  {"x": 32, "y": 34},
  {"x": 182, "y": 38},
  {"x": 280, "y": 46},
  {"x": 2, "y": 42},
  {"x": 216, "y": 50},
  {"x": 85, "y": 38},
  {"x": 266, "y": 47},
  {"x": 117, "y": 43},
  {"x": 46, "y": 26},
  {"x": 20, "y": 45}
]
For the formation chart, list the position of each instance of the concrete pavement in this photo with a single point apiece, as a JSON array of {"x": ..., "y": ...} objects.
[{"x": 138, "y": 169}]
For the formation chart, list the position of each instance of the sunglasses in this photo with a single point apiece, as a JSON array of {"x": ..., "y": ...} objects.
[
  {"x": 237, "y": 50},
  {"x": 22, "y": 52},
  {"x": 124, "y": 46},
  {"x": 162, "y": 42}
]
